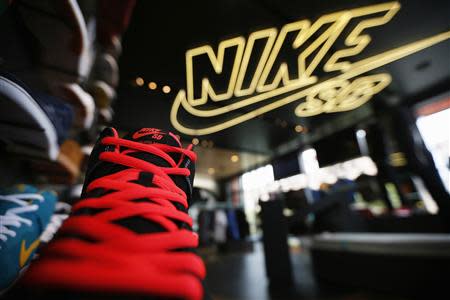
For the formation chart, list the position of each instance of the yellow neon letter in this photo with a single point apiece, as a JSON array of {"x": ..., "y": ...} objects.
[
  {"x": 269, "y": 34},
  {"x": 356, "y": 39},
  {"x": 217, "y": 63}
]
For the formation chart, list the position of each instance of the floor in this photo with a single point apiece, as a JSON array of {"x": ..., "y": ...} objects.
[{"x": 242, "y": 276}]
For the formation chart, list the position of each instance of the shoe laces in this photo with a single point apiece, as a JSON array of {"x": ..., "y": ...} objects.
[
  {"x": 161, "y": 197},
  {"x": 12, "y": 218},
  {"x": 92, "y": 252}
]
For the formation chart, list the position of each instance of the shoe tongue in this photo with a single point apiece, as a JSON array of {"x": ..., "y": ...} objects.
[
  {"x": 154, "y": 136},
  {"x": 98, "y": 168}
]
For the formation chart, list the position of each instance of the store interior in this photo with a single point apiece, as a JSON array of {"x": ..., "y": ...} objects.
[{"x": 321, "y": 129}]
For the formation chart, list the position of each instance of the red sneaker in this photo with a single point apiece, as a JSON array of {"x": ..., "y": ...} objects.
[{"x": 130, "y": 233}]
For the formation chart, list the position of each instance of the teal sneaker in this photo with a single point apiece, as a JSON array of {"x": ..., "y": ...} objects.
[{"x": 25, "y": 212}]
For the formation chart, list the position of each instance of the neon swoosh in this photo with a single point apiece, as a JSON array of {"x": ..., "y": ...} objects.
[{"x": 356, "y": 69}]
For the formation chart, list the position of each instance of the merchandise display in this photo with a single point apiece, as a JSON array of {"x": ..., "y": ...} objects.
[{"x": 218, "y": 150}]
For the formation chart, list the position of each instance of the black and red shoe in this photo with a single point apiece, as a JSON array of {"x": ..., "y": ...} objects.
[{"x": 130, "y": 233}]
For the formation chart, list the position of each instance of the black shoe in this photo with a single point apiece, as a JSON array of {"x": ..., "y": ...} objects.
[{"x": 130, "y": 233}]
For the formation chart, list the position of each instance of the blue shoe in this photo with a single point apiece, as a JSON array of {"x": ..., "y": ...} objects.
[
  {"x": 30, "y": 122},
  {"x": 25, "y": 212}
]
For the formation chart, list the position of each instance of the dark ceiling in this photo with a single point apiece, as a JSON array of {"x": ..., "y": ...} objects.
[{"x": 161, "y": 31}]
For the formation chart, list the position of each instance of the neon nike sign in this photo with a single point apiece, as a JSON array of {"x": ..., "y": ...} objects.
[{"x": 345, "y": 90}]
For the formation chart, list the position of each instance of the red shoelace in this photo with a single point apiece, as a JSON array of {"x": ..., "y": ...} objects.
[{"x": 120, "y": 260}]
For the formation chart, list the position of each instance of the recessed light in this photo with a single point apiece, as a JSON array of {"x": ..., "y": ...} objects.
[
  {"x": 234, "y": 158},
  {"x": 299, "y": 128},
  {"x": 152, "y": 85},
  {"x": 139, "y": 81},
  {"x": 195, "y": 141},
  {"x": 166, "y": 89}
]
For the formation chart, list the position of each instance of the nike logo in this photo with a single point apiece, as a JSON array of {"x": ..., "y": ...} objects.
[
  {"x": 157, "y": 134},
  {"x": 25, "y": 252},
  {"x": 330, "y": 75}
]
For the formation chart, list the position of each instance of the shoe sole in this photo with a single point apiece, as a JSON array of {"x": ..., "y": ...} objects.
[
  {"x": 66, "y": 169},
  {"x": 24, "y": 126},
  {"x": 7, "y": 289}
]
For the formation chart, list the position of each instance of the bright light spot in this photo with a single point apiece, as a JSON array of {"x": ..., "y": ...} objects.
[
  {"x": 361, "y": 133},
  {"x": 166, "y": 89},
  {"x": 152, "y": 85},
  {"x": 195, "y": 141},
  {"x": 435, "y": 132},
  {"x": 139, "y": 81},
  {"x": 299, "y": 128},
  {"x": 254, "y": 180},
  {"x": 234, "y": 158},
  {"x": 309, "y": 161}
]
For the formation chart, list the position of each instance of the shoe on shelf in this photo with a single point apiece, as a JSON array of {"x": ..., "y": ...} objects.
[
  {"x": 130, "y": 233},
  {"x": 105, "y": 69},
  {"x": 104, "y": 76},
  {"x": 32, "y": 123},
  {"x": 102, "y": 93},
  {"x": 66, "y": 169},
  {"x": 82, "y": 103},
  {"x": 62, "y": 38},
  {"x": 113, "y": 48},
  {"x": 24, "y": 214}
]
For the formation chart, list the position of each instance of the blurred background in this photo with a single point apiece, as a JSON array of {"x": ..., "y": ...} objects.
[{"x": 333, "y": 184}]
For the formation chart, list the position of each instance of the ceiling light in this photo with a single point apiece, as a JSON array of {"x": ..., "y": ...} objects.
[
  {"x": 195, "y": 141},
  {"x": 166, "y": 89},
  {"x": 152, "y": 85},
  {"x": 361, "y": 133},
  {"x": 139, "y": 81},
  {"x": 299, "y": 128},
  {"x": 234, "y": 158},
  {"x": 205, "y": 143}
]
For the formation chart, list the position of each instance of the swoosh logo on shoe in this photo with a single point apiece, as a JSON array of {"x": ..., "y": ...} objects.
[
  {"x": 25, "y": 252},
  {"x": 146, "y": 131}
]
